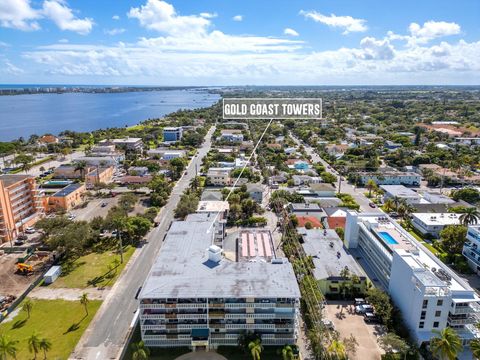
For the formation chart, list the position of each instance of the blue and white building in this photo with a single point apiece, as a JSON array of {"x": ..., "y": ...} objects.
[
  {"x": 428, "y": 293},
  {"x": 471, "y": 248},
  {"x": 172, "y": 134}
]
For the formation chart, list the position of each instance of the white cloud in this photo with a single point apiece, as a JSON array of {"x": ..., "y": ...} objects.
[
  {"x": 207, "y": 15},
  {"x": 290, "y": 32},
  {"x": 374, "y": 49},
  {"x": 63, "y": 41},
  {"x": 432, "y": 30},
  {"x": 18, "y": 14},
  {"x": 115, "y": 17},
  {"x": 59, "y": 12},
  {"x": 346, "y": 23},
  {"x": 11, "y": 69},
  {"x": 161, "y": 16},
  {"x": 237, "y": 18},
  {"x": 114, "y": 31}
]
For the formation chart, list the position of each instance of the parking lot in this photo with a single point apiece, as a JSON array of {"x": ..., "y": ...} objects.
[
  {"x": 347, "y": 323},
  {"x": 94, "y": 208}
]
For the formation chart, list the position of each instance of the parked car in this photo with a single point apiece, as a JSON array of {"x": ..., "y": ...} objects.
[
  {"x": 30, "y": 230},
  {"x": 371, "y": 318},
  {"x": 360, "y": 301},
  {"x": 22, "y": 237},
  {"x": 71, "y": 216},
  {"x": 372, "y": 205},
  {"x": 362, "y": 309},
  {"x": 104, "y": 204}
]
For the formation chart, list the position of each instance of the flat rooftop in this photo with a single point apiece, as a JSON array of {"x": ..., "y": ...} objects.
[
  {"x": 182, "y": 270},
  {"x": 9, "y": 180},
  {"x": 67, "y": 190},
  {"x": 444, "y": 219},
  {"x": 213, "y": 206},
  {"x": 329, "y": 255},
  {"x": 399, "y": 190}
]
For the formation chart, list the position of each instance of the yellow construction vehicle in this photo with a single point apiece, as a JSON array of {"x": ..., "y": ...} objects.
[{"x": 24, "y": 269}]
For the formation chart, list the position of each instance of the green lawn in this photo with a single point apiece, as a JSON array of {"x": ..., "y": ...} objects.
[
  {"x": 60, "y": 321},
  {"x": 424, "y": 243},
  {"x": 92, "y": 270}
]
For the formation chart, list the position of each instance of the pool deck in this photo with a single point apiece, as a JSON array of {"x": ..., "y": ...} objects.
[{"x": 402, "y": 241}]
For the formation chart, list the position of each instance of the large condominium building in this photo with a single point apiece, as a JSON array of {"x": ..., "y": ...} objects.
[
  {"x": 128, "y": 143},
  {"x": 428, "y": 293},
  {"x": 198, "y": 297},
  {"x": 471, "y": 248},
  {"x": 20, "y": 205}
]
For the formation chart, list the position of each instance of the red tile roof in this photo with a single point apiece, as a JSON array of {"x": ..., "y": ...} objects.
[
  {"x": 336, "y": 222},
  {"x": 302, "y": 220}
]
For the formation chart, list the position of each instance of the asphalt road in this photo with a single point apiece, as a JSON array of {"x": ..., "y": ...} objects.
[
  {"x": 346, "y": 188},
  {"x": 106, "y": 335},
  {"x": 94, "y": 208}
]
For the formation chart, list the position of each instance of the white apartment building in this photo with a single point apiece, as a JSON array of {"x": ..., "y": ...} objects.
[
  {"x": 219, "y": 176},
  {"x": 471, "y": 248},
  {"x": 401, "y": 192},
  {"x": 391, "y": 178},
  {"x": 195, "y": 296},
  {"x": 431, "y": 223},
  {"x": 428, "y": 293}
]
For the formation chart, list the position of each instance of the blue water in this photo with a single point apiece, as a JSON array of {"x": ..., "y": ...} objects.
[
  {"x": 387, "y": 238},
  {"x": 24, "y": 115}
]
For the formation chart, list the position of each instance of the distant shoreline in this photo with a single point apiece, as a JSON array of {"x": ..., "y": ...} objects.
[{"x": 9, "y": 90}]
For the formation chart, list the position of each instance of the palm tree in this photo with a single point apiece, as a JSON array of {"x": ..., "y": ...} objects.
[
  {"x": 140, "y": 351},
  {"x": 81, "y": 166},
  {"x": 336, "y": 350},
  {"x": 119, "y": 224},
  {"x": 470, "y": 216},
  {"x": 45, "y": 345},
  {"x": 34, "y": 344},
  {"x": 7, "y": 347},
  {"x": 446, "y": 345},
  {"x": 475, "y": 347},
  {"x": 84, "y": 300},
  {"x": 255, "y": 348},
  {"x": 396, "y": 202},
  {"x": 389, "y": 206},
  {"x": 27, "y": 307},
  {"x": 371, "y": 185},
  {"x": 287, "y": 353}
]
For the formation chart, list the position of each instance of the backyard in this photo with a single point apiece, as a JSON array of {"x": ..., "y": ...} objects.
[{"x": 61, "y": 322}]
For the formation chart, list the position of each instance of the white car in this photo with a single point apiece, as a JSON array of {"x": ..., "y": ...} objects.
[
  {"x": 71, "y": 217},
  {"x": 30, "y": 230}
]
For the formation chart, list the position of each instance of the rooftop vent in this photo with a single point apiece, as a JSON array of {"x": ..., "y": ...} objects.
[{"x": 214, "y": 253}]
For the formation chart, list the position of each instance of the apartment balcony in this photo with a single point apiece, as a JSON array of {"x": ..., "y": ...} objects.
[
  {"x": 462, "y": 321},
  {"x": 472, "y": 307},
  {"x": 216, "y": 305},
  {"x": 216, "y": 315},
  {"x": 170, "y": 316}
]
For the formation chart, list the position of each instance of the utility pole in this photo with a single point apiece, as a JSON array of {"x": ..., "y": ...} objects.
[{"x": 339, "y": 183}]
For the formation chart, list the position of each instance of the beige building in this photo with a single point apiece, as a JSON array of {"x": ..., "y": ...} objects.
[
  {"x": 66, "y": 198},
  {"x": 20, "y": 205}
]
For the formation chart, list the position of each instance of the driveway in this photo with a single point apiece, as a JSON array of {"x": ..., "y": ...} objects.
[
  {"x": 201, "y": 355},
  {"x": 347, "y": 323}
]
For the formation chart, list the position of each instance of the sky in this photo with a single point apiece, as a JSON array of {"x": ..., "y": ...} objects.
[{"x": 226, "y": 42}]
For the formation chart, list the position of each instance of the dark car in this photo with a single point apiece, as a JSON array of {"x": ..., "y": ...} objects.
[
  {"x": 18, "y": 242},
  {"x": 22, "y": 237},
  {"x": 372, "y": 205},
  {"x": 104, "y": 204}
]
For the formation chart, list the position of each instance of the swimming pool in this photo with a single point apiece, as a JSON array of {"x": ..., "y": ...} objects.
[{"x": 387, "y": 238}]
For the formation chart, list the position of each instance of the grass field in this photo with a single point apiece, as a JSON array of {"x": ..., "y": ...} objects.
[
  {"x": 92, "y": 270},
  {"x": 62, "y": 322}
]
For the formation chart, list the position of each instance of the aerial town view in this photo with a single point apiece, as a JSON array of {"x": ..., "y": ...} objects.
[{"x": 239, "y": 180}]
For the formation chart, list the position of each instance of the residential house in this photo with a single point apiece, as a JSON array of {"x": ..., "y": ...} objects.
[
  {"x": 256, "y": 192},
  {"x": 432, "y": 224}
]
